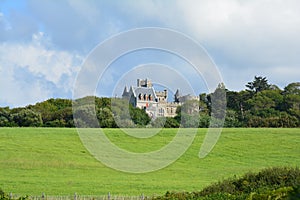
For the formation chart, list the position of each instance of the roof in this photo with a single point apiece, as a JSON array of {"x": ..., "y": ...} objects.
[{"x": 143, "y": 90}]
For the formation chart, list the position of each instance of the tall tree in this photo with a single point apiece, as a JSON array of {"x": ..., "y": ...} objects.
[{"x": 259, "y": 84}]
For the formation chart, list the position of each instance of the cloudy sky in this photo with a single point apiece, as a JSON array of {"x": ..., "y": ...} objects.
[{"x": 43, "y": 43}]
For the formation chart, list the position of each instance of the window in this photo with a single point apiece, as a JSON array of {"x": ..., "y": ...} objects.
[{"x": 161, "y": 112}]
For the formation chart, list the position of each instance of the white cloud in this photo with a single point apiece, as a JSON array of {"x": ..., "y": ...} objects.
[
  {"x": 32, "y": 72},
  {"x": 255, "y": 31},
  {"x": 245, "y": 38},
  {"x": 259, "y": 34}
]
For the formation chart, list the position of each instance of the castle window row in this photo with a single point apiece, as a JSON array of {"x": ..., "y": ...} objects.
[{"x": 145, "y": 97}]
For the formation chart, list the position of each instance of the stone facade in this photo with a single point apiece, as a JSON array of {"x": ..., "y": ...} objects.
[{"x": 155, "y": 103}]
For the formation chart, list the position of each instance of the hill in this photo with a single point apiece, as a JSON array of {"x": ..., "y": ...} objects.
[{"x": 53, "y": 161}]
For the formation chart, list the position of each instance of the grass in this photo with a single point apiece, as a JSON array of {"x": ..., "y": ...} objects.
[{"x": 54, "y": 161}]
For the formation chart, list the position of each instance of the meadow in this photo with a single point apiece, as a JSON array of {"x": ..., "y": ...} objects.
[{"x": 55, "y": 162}]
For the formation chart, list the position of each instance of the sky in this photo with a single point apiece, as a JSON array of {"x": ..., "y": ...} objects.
[{"x": 45, "y": 43}]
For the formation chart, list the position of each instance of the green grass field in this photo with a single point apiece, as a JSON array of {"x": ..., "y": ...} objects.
[{"x": 54, "y": 161}]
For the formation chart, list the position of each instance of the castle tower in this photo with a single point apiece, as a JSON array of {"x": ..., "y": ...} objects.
[{"x": 144, "y": 83}]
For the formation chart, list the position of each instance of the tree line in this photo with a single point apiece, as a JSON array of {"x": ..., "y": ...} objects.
[{"x": 260, "y": 105}]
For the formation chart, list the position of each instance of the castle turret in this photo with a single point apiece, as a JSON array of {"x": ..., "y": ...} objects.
[
  {"x": 125, "y": 93},
  {"x": 176, "y": 96}
]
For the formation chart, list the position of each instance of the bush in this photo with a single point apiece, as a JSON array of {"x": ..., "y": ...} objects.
[
  {"x": 273, "y": 183},
  {"x": 268, "y": 179}
]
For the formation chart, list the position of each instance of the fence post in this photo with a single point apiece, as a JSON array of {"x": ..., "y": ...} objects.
[
  {"x": 75, "y": 196},
  {"x": 43, "y": 196},
  {"x": 142, "y": 197},
  {"x": 10, "y": 195},
  {"x": 108, "y": 196}
]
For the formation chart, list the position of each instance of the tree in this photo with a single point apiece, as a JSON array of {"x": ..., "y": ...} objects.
[
  {"x": 106, "y": 118},
  {"x": 171, "y": 123},
  {"x": 292, "y": 99},
  {"x": 292, "y": 88},
  {"x": 26, "y": 117},
  {"x": 259, "y": 84},
  {"x": 261, "y": 102},
  {"x": 139, "y": 116},
  {"x": 5, "y": 117},
  {"x": 85, "y": 116},
  {"x": 231, "y": 119},
  {"x": 55, "y": 112},
  {"x": 237, "y": 101},
  {"x": 204, "y": 120}
]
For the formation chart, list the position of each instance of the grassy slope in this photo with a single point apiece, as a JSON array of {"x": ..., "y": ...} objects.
[{"x": 36, "y": 160}]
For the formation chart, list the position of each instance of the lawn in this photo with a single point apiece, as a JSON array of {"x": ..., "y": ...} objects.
[{"x": 54, "y": 161}]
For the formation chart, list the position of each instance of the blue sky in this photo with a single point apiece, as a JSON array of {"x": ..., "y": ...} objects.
[{"x": 43, "y": 43}]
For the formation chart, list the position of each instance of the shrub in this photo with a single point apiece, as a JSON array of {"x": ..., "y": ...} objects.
[
  {"x": 268, "y": 179},
  {"x": 272, "y": 183}
]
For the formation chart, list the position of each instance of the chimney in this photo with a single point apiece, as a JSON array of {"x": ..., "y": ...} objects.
[{"x": 138, "y": 82}]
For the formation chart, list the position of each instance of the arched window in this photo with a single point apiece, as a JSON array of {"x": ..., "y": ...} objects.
[{"x": 140, "y": 96}]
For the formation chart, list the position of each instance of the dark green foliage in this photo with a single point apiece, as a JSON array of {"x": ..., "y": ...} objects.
[
  {"x": 292, "y": 99},
  {"x": 5, "y": 117},
  {"x": 4, "y": 196},
  {"x": 204, "y": 120},
  {"x": 295, "y": 193},
  {"x": 139, "y": 116},
  {"x": 268, "y": 179},
  {"x": 55, "y": 112},
  {"x": 259, "y": 84},
  {"x": 231, "y": 119},
  {"x": 89, "y": 111},
  {"x": 26, "y": 118},
  {"x": 106, "y": 118},
  {"x": 272, "y": 183},
  {"x": 266, "y": 106},
  {"x": 166, "y": 122},
  {"x": 171, "y": 123},
  {"x": 261, "y": 105}
]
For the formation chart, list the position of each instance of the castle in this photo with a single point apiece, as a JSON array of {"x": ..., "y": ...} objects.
[{"x": 155, "y": 103}]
